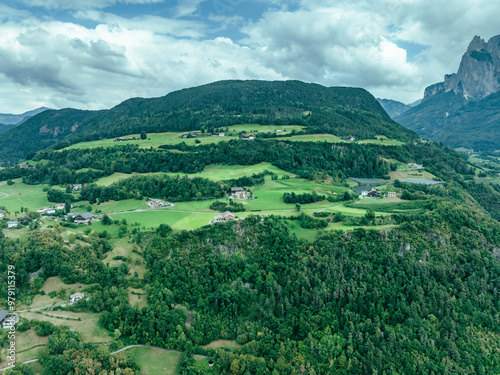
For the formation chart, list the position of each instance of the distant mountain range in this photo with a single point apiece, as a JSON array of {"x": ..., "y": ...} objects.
[
  {"x": 394, "y": 108},
  {"x": 464, "y": 109},
  {"x": 342, "y": 111},
  {"x": 9, "y": 119}
]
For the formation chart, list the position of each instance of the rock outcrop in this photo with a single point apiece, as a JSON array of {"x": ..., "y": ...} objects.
[{"x": 478, "y": 74}]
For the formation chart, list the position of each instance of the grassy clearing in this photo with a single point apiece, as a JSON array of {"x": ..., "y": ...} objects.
[
  {"x": 177, "y": 220},
  {"x": 17, "y": 233},
  {"x": 211, "y": 172},
  {"x": 302, "y": 233},
  {"x": 13, "y": 197},
  {"x": 118, "y": 176},
  {"x": 383, "y": 140},
  {"x": 401, "y": 175},
  {"x": 88, "y": 326},
  {"x": 28, "y": 346},
  {"x": 137, "y": 296},
  {"x": 154, "y": 362},
  {"x": 222, "y": 344},
  {"x": 52, "y": 284}
]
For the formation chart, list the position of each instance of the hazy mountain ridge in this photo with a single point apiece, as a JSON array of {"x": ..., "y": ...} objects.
[
  {"x": 464, "y": 110},
  {"x": 339, "y": 110},
  {"x": 393, "y": 107},
  {"x": 10, "y": 119}
]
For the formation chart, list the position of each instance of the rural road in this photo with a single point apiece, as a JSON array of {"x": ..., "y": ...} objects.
[{"x": 121, "y": 350}]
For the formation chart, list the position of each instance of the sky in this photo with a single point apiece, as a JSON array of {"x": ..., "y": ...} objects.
[{"x": 93, "y": 54}]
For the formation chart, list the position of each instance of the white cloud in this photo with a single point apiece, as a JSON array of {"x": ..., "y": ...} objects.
[
  {"x": 82, "y": 4},
  {"x": 334, "y": 46},
  {"x": 355, "y": 42},
  {"x": 331, "y": 42},
  {"x": 66, "y": 65},
  {"x": 187, "y": 7},
  {"x": 154, "y": 24}
]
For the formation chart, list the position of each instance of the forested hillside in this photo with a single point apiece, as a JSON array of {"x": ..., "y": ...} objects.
[
  {"x": 304, "y": 275},
  {"x": 457, "y": 122},
  {"x": 341, "y": 111}
]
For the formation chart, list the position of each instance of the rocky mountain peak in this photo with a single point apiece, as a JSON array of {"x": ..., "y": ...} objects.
[{"x": 478, "y": 74}]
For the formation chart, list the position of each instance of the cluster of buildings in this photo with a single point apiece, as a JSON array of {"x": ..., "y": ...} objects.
[
  {"x": 25, "y": 166},
  {"x": 121, "y": 139},
  {"x": 158, "y": 203},
  {"x": 199, "y": 134},
  {"x": 415, "y": 165},
  {"x": 52, "y": 210},
  {"x": 371, "y": 192},
  {"x": 75, "y": 297},
  {"x": 349, "y": 138},
  {"x": 78, "y": 218},
  {"x": 248, "y": 137},
  {"x": 226, "y": 217},
  {"x": 84, "y": 218},
  {"x": 239, "y": 193},
  {"x": 15, "y": 223}
]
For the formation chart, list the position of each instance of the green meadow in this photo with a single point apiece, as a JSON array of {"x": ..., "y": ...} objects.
[
  {"x": 211, "y": 172},
  {"x": 172, "y": 138},
  {"x": 13, "y": 197}
]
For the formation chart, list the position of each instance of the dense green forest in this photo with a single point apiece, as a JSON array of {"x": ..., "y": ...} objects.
[{"x": 341, "y": 111}]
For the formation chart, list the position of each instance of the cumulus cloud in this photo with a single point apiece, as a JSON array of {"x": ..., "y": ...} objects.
[
  {"x": 99, "y": 67},
  {"x": 102, "y": 58},
  {"x": 360, "y": 42},
  {"x": 332, "y": 45}
]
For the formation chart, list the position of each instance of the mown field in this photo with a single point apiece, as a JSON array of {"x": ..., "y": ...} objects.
[
  {"x": 172, "y": 138},
  {"x": 13, "y": 197},
  {"x": 154, "y": 362},
  {"x": 85, "y": 323}
]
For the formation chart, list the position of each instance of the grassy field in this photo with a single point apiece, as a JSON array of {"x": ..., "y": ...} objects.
[
  {"x": 153, "y": 362},
  {"x": 211, "y": 172},
  {"x": 383, "y": 140},
  {"x": 232, "y": 344},
  {"x": 137, "y": 296},
  {"x": 52, "y": 284},
  {"x": 401, "y": 175},
  {"x": 171, "y": 138},
  {"x": 191, "y": 215},
  {"x": 13, "y": 197},
  {"x": 88, "y": 324},
  {"x": 28, "y": 346}
]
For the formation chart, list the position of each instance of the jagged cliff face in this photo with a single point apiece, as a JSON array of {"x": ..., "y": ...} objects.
[{"x": 478, "y": 75}]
